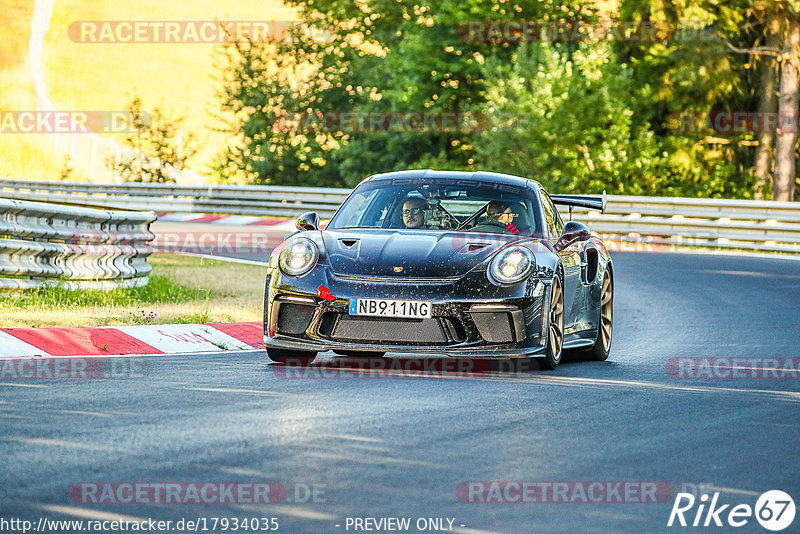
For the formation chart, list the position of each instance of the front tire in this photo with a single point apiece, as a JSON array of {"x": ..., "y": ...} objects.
[
  {"x": 296, "y": 358},
  {"x": 555, "y": 330}
]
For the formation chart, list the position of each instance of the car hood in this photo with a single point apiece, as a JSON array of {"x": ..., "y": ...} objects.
[{"x": 409, "y": 253}]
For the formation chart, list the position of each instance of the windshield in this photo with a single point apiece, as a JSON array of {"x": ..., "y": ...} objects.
[{"x": 440, "y": 205}]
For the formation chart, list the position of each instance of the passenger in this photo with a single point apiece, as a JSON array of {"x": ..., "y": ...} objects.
[{"x": 499, "y": 218}]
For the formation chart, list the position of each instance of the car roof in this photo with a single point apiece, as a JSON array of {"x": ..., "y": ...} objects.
[{"x": 460, "y": 175}]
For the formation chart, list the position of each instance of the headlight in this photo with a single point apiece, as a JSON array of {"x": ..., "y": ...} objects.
[
  {"x": 512, "y": 265},
  {"x": 298, "y": 256}
]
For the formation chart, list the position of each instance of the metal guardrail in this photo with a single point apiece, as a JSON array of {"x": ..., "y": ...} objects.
[
  {"x": 697, "y": 222},
  {"x": 43, "y": 244},
  {"x": 657, "y": 221},
  {"x": 277, "y": 201}
]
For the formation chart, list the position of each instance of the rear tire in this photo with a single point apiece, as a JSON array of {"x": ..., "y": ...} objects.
[
  {"x": 296, "y": 358},
  {"x": 602, "y": 345},
  {"x": 555, "y": 330}
]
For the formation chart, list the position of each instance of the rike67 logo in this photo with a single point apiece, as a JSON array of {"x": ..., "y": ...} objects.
[{"x": 774, "y": 510}]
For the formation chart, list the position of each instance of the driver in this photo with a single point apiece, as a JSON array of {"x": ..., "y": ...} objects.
[
  {"x": 414, "y": 212},
  {"x": 499, "y": 218}
]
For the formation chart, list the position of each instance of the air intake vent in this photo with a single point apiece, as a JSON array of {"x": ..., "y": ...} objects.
[
  {"x": 470, "y": 248},
  {"x": 494, "y": 327},
  {"x": 293, "y": 318},
  {"x": 393, "y": 331}
]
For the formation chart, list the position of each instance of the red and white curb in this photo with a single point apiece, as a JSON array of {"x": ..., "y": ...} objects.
[
  {"x": 130, "y": 340},
  {"x": 230, "y": 220}
]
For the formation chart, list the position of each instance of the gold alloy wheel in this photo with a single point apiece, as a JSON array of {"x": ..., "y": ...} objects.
[
  {"x": 556, "y": 334},
  {"x": 606, "y": 312}
]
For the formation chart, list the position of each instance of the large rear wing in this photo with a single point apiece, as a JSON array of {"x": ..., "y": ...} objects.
[{"x": 573, "y": 201}]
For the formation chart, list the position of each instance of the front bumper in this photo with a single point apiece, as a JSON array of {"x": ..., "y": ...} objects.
[
  {"x": 470, "y": 318},
  {"x": 284, "y": 342}
]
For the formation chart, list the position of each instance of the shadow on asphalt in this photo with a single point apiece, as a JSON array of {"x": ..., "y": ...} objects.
[{"x": 403, "y": 366}]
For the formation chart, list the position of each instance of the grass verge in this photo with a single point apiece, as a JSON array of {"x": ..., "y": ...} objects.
[{"x": 182, "y": 289}]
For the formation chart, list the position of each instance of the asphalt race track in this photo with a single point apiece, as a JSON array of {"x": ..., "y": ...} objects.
[{"x": 382, "y": 446}]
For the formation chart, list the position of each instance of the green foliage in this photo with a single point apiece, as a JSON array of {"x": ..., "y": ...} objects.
[
  {"x": 203, "y": 315},
  {"x": 698, "y": 70},
  {"x": 574, "y": 121},
  {"x": 382, "y": 56},
  {"x": 160, "y": 147},
  {"x": 566, "y": 120},
  {"x": 579, "y": 117}
]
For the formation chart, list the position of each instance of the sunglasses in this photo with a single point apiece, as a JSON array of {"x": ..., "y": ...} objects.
[{"x": 412, "y": 211}]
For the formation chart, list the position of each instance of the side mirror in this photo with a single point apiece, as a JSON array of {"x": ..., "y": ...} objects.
[
  {"x": 573, "y": 231},
  {"x": 308, "y": 221}
]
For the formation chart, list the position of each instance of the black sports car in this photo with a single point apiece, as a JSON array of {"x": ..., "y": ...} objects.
[{"x": 461, "y": 264}]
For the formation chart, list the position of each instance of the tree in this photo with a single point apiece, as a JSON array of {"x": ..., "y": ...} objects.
[
  {"x": 567, "y": 120},
  {"x": 159, "y": 149},
  {"x": 786, "y": 147},
  {"x": 768, "y": 103},
  {"x": 782, "y": 33},
  {"x": 744, "y": 33},
  {"x": 580, "y": 116},
  {"x": 384, "y": 56}
]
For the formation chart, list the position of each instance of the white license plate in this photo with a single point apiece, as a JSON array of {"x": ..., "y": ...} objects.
[{"x": 410, "y": 309}]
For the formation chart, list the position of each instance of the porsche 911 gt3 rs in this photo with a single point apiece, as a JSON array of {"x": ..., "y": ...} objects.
[{"x": 477, "y": 265}]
